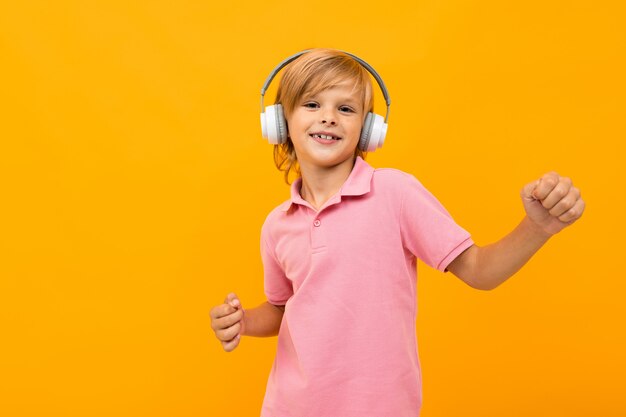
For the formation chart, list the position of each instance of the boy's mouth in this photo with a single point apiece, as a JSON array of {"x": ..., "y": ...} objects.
[{"x": 324, "y": 136}]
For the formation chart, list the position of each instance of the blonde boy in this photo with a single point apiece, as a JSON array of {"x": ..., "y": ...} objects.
[{"x": 340, "y": 255}]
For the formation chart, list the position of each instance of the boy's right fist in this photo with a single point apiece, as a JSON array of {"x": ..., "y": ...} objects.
[{"x": 227, "y": 322}]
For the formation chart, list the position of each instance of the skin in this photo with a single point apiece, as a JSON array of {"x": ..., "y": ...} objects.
[
  {"x": 326, "y": 166},
  {"x": 551, "y": 203}
]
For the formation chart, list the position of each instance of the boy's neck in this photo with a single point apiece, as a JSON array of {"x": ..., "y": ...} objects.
[{"x": 319, "y": 184}]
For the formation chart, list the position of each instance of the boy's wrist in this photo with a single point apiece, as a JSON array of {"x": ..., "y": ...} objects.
[
  {"x": 536, "y": 230},
  {"x": 242, "y": 331}
]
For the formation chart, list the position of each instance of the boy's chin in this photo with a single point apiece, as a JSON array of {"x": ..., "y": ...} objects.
[{"x": 329, "y": 161}]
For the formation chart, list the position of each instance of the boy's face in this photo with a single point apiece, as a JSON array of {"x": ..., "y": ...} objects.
[{"x": 325, "y": 128}]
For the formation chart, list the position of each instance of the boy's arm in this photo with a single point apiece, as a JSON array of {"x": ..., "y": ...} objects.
[
  {"x": 262, "y": 321},
  {"x": 551, "y": 203}
]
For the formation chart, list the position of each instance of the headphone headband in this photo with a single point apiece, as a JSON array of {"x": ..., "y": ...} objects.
[{"x": 364, "y": 64}]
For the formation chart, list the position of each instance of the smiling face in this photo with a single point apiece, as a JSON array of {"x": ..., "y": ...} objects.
[
  {"x": 312, "y": 76},
  {"x": 325, "y": 127}
]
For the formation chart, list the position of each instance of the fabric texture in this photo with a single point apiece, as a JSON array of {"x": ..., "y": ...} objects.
[{"x": 347, "y": 276}]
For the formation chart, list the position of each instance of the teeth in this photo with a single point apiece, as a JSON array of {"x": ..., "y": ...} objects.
[{"x": 325, "y": 137}]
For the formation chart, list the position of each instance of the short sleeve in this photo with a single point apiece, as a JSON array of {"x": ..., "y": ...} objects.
[
  {"x": 428, "y": 230},
  {"x": 278, "y": 289}
]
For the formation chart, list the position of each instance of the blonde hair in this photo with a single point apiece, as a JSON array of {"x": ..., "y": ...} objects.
[{"x": 310, "y": 74}]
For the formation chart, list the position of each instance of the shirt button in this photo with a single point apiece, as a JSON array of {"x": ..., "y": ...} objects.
[{"x": 317, "y": 223}]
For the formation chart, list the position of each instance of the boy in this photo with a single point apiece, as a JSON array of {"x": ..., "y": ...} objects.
[{"x": 340, "y": 256}]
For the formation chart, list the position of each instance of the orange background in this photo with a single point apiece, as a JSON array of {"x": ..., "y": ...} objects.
[{"x": 134, "y": 182}]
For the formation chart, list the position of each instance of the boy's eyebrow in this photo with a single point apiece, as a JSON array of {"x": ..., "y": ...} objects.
[
  {"x": 351, "y": 100},
  {"x": 348, "y": 100}
]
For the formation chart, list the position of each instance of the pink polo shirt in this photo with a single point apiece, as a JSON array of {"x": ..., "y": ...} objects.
[{"x": 347, "y": 277}]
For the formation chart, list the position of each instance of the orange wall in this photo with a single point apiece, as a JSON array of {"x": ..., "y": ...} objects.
[{"x": 134, "y": 183}]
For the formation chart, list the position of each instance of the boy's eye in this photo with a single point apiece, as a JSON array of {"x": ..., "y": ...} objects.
[
  {"x": 346, "y": 109},
  {"x": 311, "y": 105}
]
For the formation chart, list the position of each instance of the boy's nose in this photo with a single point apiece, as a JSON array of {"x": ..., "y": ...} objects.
[{"x": 328, "y": 117}]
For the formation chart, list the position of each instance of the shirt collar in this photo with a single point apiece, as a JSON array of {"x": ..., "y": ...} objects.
[{"x": 357, "y": 183}]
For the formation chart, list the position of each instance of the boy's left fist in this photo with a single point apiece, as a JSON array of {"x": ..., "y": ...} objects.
[{"x": 552, "y": 202}]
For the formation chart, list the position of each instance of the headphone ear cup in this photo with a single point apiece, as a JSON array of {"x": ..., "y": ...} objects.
[
  {"x": 373, "y": 133},
  {"x": 281, "y": 122},
  {"x": 273, "y": 125},
  {"x": 365, "y": 132},
  {"x": 377, "y": 133}
]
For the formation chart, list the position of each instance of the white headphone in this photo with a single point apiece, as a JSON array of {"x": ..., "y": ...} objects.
[{"x": 274, "y": 126}]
